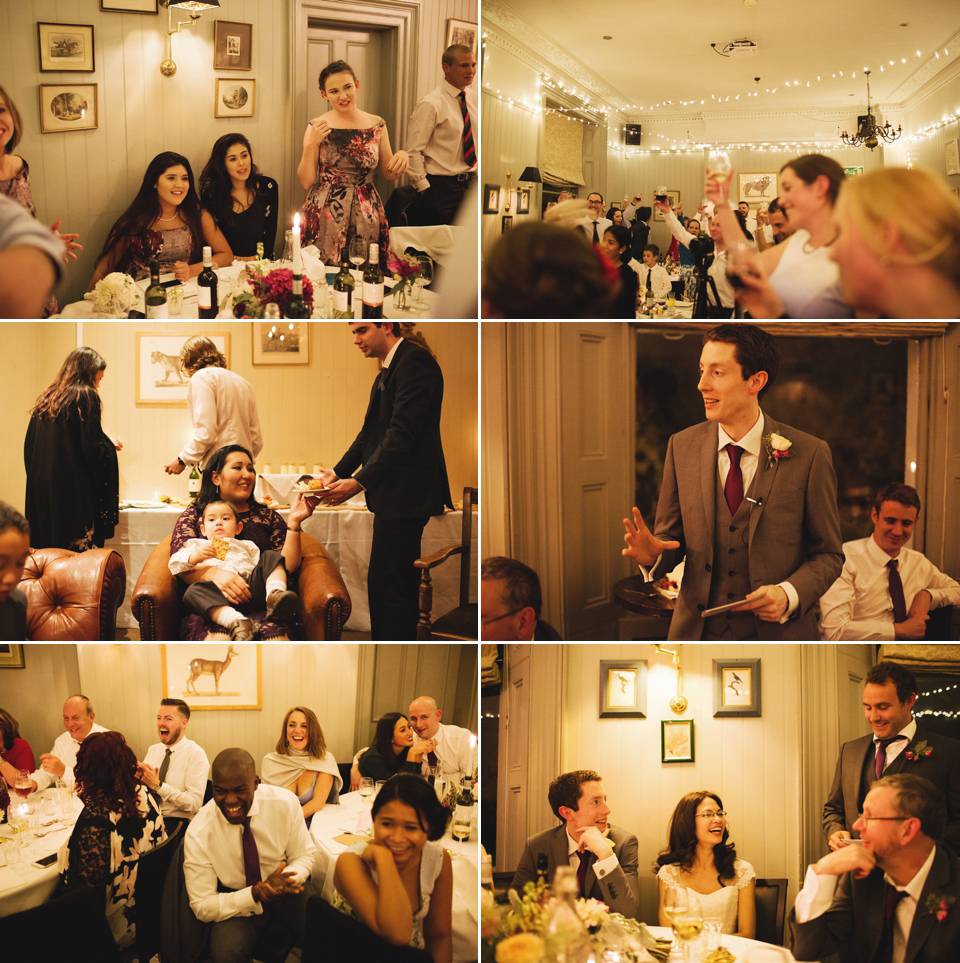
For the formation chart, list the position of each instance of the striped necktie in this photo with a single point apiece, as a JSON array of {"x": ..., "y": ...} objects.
[{"x": 469, "y": 150}]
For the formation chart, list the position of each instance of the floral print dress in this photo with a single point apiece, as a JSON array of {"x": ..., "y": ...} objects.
[
  {"x": 104, "y": 850},
  {"x": 167, "y": 247},
  {"x": 343, "y": 202}
]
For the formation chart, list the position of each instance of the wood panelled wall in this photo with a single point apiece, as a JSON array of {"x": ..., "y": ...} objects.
[
  {"x": 309, "y": 413},
  {"x": 88, "y": 178}
]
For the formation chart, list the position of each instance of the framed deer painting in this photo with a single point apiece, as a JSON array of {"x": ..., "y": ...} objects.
[{"x": 212, "y": 675}]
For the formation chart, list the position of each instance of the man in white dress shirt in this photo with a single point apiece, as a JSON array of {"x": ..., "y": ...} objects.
[
  {"x": 247, "y": 853},
  {"x": 896, "y": 900},
  {"x": 594, "y": 224},
  {"x": 175, "y": 767},
  {"x": 57, "y": 764},
  {"x": 886, "y": 590},
  {"x": 443, "y": 137},
  {"x": 456, "y": 748}
]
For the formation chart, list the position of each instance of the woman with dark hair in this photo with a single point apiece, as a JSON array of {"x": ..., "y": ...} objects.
[
  {"x": 230, "y": 477},
  {"x": 119, "y": 822},
  {"x": 72, "y": 477},
  {"x": 404, "y": 867},
  {"x": 243, "y": 201},
  {"x": 699, "y": 859},
  {"x": 13, "y": 749},
  {"x": 393, "y": 749},
  {"x": 616, "y": 245},
  {"x": 341, "y": 150},
  {"x": 223, "y": 407},
  {"x": 165, "y": 222},
  {"x": 302, "y": 763}
]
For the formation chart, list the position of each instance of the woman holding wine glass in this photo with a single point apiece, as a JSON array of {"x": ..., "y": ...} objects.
[
  {"x": 699, "y": 859},
  {"x": 393, "y": 749},
  {"x": 400, "y": 885}
]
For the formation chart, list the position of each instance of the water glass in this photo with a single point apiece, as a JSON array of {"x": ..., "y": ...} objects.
[
  {"x": 48, "y": 811},
  {"x": 380, "y": 784},
  {"x": 10, "y": 851},
  {"x": 366, "y": 788},
  {"x": 711, "y": 933}
]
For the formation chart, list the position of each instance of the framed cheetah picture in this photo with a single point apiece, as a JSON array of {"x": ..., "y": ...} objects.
[{"x": 161, "y": 382}]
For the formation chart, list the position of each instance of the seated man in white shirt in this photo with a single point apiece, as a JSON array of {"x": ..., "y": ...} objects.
[
  {"x": 78, "y": 716},
  {"x": 594, "y": 224},
  {"x": 886, "y": 590},
  {"x": 176, "y": 767},
  {"x": 456, "y": 752},
  {"x": 897, "y": 888},
  {"x": 610, "y": 853},
  {"x": 247, "y": 853},
  {"x": 652, "y": 274}
]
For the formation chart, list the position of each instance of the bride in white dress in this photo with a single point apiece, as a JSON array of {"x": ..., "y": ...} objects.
[{"x": 700, "y": 859}]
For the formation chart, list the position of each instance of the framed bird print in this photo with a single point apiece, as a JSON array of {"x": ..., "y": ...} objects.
[
  {"x": 623, "y": 689},
  {"x": 736, "y": 687}
]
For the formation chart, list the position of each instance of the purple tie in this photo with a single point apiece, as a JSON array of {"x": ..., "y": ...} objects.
[
  {"x": 896, "y": 592},
  {"x": 582, "y": 875},
  {"x": 882, "y": 754},
  {"x": 251, "y": 857},
  {"x": 885, "y": 950},
  {"x": 431, "y": 759},
  {"x": 733, "y": 488}
]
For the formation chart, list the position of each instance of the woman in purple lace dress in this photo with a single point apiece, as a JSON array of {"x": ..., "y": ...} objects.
[
  {"x": 341, "y": 150},
  {"x": 15, "y": 176},
  {"x": 165, "y": 221},
  {"x": 230, "y": 477}
]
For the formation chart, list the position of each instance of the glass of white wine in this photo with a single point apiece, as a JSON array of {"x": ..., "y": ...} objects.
[
  {"x": 462, "y": 824},
  {"x": 718, "y": 163},
  {"x": 688, "y": 928},
  {"x": 676, "y": 905},
  {"x": 366, "y": 788}
]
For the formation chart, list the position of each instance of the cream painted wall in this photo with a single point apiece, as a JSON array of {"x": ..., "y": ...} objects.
[
  {"x": 754, "y": 764},
  {"x": 309, "y": 413}
]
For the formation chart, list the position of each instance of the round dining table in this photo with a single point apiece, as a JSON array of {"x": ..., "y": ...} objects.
[{"x": 743, "y": 949}]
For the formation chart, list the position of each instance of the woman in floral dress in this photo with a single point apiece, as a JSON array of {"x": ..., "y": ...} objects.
[
  {"x": 165, "y": 221},
  {"x": 341, "y": 150},
  {"x": 120, "y": 821}
]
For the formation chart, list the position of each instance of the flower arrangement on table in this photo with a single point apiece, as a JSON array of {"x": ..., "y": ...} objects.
[
  {"x": 115, "y": 294},
  {"x": 516, "y": 933},
  {"x": 404, "y": 269},
  {"x": 257, "y": 286}
]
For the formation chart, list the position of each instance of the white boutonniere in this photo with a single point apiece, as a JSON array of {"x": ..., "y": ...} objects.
[{"x": 777, "y": 447}]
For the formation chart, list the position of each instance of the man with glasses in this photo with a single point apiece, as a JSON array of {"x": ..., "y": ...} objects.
[
  {"x": 510, "y": 603},
  {"x": 897, "y": 744},
  {"x": 896, "y": 901},
  {"x": 594, "y": 224}
]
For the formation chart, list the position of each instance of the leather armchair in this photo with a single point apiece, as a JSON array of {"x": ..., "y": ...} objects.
[
  {"x": 324, "y": 601},
  {"x": 73, "y": 596}
]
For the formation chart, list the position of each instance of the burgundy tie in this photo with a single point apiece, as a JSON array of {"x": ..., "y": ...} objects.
[
  {"x": 885, "y": 950},
  {"x": 469, "y": 150},
  {"x": 251, "y": 857},
  {"x": 582, "y": 875},
  {"x": 733, "y": 488},
  {"x": 882, "y": 754},
  {"x": 896, "y": 592}
]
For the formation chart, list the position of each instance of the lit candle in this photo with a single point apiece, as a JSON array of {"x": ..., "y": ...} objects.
[{"x": 296, "y": 243}]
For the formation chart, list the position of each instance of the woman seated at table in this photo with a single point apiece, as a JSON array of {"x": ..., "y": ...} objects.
[
  {"x": 243, "y": 202},
  {"x": 302, "y": 763},
  {"x": 392, "y": 749},
  {"x": 699, "y": 858},
  {"x": 230, "y": 477},
  {"x": 14, "y": 749},
  {"x": 165, "y": 222},
  {"x": 119, "y": 822},
  {"x": 401, "y": 884}
]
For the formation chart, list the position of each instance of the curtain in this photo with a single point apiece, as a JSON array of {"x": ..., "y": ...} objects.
[
  {"x": 562, "y": 151},
  {"x": 944, "y": 659}
]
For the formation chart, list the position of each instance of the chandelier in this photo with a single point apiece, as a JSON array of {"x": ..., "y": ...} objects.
[{"x": 870, "y": 132}]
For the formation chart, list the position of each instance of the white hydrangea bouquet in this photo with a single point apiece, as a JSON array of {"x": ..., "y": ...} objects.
[{"x": 115, "y": 294}]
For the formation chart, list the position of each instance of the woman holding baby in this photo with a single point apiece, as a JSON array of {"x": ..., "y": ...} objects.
[{"x": 229, "y": 478}]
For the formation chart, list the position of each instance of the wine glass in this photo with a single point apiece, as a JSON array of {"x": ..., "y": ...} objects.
[
  {"x": 718, "y": 163},
  {"x": 357, "y": 252},
  {"x": 22, "y": 785},
  {"x": 366, "y": 788},
  {"x": 688, "y": 928},
  {"x": 676, "y": 905},
  {"x": 462, "y": 824},
  {"x": 423, "y": 277}
]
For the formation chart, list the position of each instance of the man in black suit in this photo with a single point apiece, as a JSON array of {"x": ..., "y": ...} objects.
[
  {"x": 403, "y": 476},
  {"x": 897, "y": 895},
  {"x": 897, "y": 745},
  {"x": 608, "y": 853}
]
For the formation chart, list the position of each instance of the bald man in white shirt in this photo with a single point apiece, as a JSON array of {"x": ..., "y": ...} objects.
[{"x": 456, "y": 752}]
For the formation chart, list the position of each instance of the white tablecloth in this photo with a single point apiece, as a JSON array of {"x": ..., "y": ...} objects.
[
  {"x": 352, "y": 815},
  {"x": 23, "y": 886},
  {"x": 741, "y": 947},
  {"x": 345, "y": 534}
]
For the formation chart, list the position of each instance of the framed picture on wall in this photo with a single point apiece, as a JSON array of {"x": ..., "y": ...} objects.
[
  {"x": 623, "y": 689},
  {"x": 674, "y": 198},
  {"x": 462, "y": 31},
  {"x": 235, "y": 98},
  {"x": 160, "y": 380},
  {"x": 129, "y": 6},
  {"x": 523, "y": 200},
  {"x": 759, "y": 187},
  {"x": 65, "y": 47},
  {"x": 507, "y": 223},
  {"x": 736, "y": 687},
  {"x": 212, "y": 675},
  {"x": 491, "y": 198},
  {"x": 676, "y": 740},
  {"x": 11, "y": 655},
  {"x": 288, "y": 343},
  {"x": 952, "y": 155},
  {"x": 232, "y": 45},
  {"x": 68, "y": 107}
]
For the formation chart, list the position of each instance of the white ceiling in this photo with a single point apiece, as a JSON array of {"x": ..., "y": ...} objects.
[{"x": 660, "y": 51}]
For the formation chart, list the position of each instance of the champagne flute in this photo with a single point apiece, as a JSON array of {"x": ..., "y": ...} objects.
[{"x": 366, "y": 788}]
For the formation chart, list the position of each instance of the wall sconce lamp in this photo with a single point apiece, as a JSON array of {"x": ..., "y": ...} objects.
[
  {"x": 678, "y": 704},
  {"x": 506, "y": 206},
  {"x": 194, "y": 8}
]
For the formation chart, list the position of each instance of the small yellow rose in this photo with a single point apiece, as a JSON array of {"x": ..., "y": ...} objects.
[
  {"x": 522, "y": 948},
  {"x": 779, "y": 443}
]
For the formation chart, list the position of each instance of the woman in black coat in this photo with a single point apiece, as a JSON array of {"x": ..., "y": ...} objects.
[{"x": 72, "y": 476}]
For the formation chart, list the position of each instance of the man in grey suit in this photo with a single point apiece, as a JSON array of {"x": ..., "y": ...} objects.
[
  {"x": 750, "y": 503},
  {"x": 897, "y": 895},
  {"x": 897, "y": 745},
  {"x": 604, "y": 855}
]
